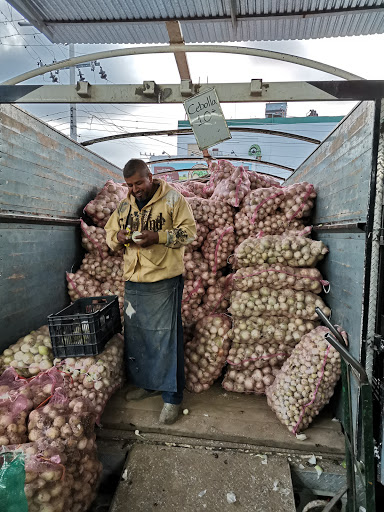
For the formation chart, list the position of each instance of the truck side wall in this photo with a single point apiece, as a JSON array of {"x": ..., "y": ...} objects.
[{"x": 42, "y": 173}]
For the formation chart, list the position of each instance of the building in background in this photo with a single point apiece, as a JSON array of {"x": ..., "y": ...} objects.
[{"x": 255, "y": 146}]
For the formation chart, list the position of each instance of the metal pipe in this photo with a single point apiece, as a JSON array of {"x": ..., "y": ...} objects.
[
  {"x": 347, "y": 357},
  {"x": 175, "y": 48}
]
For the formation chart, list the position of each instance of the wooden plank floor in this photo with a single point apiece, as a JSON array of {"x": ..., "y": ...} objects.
[{"x": 222, "y": 416}]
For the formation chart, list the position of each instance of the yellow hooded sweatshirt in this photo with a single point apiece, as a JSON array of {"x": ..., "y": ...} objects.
[{"x": 170, "y": 215}]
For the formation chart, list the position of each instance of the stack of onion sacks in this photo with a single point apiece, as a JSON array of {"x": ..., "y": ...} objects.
[
  {"x": 106, "y": 202},
  {"x": 218, "y": 246},
  {"x": 233, "y": 189},
  {"x": 306, "y": 381},
  {"x": 81, "y": 284},
  {"x": 213, "y": 214},
  {"x": 95, "y": 378},
  {"x": 206, "y": 354},
  {"x": 94, "y": 239}
]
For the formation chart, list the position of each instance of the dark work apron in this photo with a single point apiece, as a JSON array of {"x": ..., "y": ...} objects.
[{"x": 152, "y": 325}]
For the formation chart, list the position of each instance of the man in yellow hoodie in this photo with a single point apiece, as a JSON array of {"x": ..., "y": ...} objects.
[{"x": 153, "y": 267}]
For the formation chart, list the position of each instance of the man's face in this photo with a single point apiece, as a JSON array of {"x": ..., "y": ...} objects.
[{"x": 140, "y": 185}]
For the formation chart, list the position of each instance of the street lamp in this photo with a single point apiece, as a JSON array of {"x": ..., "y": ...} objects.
[{"x": 165, "y": 153}]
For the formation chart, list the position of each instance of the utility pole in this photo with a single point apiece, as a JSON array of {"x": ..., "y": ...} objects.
[{"x": 72, "y": 111}]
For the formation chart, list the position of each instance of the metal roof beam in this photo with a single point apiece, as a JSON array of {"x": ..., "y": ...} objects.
[
  {"x": 188, "y": 131},
  {"x": 278, "y": 15},
  {"x": 33, "y": 15},
  {"x": 176, "y": 37},
  {"x": 83, "y": 92},
  {"x": 233, "y": 8}
]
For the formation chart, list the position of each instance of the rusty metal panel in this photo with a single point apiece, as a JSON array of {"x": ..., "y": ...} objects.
[{"x": 42, "y": 172}]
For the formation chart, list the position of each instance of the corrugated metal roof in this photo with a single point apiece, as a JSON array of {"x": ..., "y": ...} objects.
[{"x": 202, "y": 21}]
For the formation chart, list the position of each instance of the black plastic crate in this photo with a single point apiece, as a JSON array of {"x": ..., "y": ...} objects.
[{"x": 84, "y": 327}]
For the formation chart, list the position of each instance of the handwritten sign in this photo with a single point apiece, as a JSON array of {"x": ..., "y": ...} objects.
[{"x": 206, "y": 119}]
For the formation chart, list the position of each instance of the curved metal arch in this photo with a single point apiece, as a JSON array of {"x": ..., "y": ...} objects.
[
  {"x": 176, "y": 48},
  {"x": 187, "y": 131},
  {"x": 229, "y": 158}
]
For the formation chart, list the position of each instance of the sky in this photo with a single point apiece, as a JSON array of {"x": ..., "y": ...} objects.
[{"x": 22, "y": 48}]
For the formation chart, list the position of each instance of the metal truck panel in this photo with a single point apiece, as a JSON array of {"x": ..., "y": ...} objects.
[{"x": 42, "y": 173}]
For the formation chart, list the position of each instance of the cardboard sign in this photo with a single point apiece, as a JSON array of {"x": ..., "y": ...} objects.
[{"x": 206, "y": 119}]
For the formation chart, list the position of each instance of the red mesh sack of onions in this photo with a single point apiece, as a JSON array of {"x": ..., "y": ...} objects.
[
  {"x": 65, "y": 424},
  {"x": 271, "y": 329},
  {"x": 93, "y": 239},
  {"x": 212, "y": 214},
  {"x": 232, "y": 190},
  {"x": 95, "y": 378},
  {"x": 199, "y": 189},
  {"x": 277, "y": 277},
  {"x": 219, "y": 171},
  {"x": 252, "y": 356},
  {"x": 306, "y": 381},
  {"x": 43, "y": 385},
  {"x": 84, "y": 469},
  {"x": 285, "y": 302},
  {"x": 217, "y": 297},
  {"x": 106, "y": 202},
  {"x": 201, "y": 234},
  {"x": 197, "y": 267},
  {"x": 261, "y": 180},
  {"x": 30, "y": 355},
  {"x": 206, "y": 354},
  {"x": 292, "y": 251},
  {"x": 192, "y": 295},
  {"x": 261, "y": 203},
  {"x": 15, "y": 405},
  {"x": 249, "y": 381},
  {"x": 108, "y": 269},
  {"x": 111, "y": 287},
  {"x": 81, "y": 284},
  {"x": 182, "y": 188},
  {"x": 298, "y": 200},
  {"x": 218, "y": 246},
  {"x": 46, "y": 485}
]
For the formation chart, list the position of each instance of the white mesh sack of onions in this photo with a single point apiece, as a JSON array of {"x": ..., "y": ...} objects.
[
  {"x": 270, "y": 329},
  {"x": 15, "y": 405},
  {"x": 306, "y": 381},
  {"x": 284, "y": 302},
  {"x": 95, "y": 378},
  {"x": 218, "y": 246},
  {"x": 262, "y": 202},
  {"x": 197, "y": 267},
  {"x": 293, "y": 251},
  {"x": 298, "y": 200},
  {"x": 46, "y": 486},
  {"x": 262, "y": 180},
  {"x": 232, "y": 190},
  {"x": 106, "y": 202},
  {"x": 63, "y": 423},
  {"x": 213, "y": 214},
  {"x": 277, "y": 277},
  {"x": 275, "y": 224},
  {"x": 30, "y": 355},
  {"x": 182, "y": 188},
  {"x": 205, "y": 355},
  {"x": 93, "y": 239},
  {"x": 109, "y": 269},
  {"x": 249, "y": 381},
  {"x": 257, "y": 355},
  {"x": 81, "y": 284}
]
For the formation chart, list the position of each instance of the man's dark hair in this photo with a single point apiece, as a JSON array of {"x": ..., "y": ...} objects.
[{"x": 135, "y": 165}]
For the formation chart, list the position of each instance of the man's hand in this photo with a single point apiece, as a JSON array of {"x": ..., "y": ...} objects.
[
  {"x": 147, "y": 238},
  {"x": 123, "y": 236}
]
